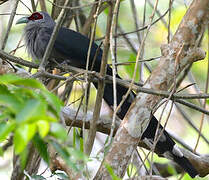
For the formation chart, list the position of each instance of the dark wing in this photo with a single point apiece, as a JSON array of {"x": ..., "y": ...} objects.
[{"x": 74, "y": 46}]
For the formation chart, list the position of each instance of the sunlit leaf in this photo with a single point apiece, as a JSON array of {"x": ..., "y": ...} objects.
[
  {"x": 16, "y": 80},
  {"x": 32, "y": 110},
  {"x": 111, "y": 172},
  {"x": 5, "y": 129},
  {"x": 171, "y": 170},
  {"x": 130, "y": 68},
  {"x": 1, "y": 151},
  {"x": 23, "y": 158},
  {"x": 23, "y": 134},
  {"x": 4, "y": 89},
  {"x": 131, "y": 170},
  {"x": 43, "y": 128},
  {"x": 9, "y": 78}
]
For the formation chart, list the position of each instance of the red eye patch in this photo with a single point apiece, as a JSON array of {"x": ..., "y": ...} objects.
[{"x": 35, "y": 16}]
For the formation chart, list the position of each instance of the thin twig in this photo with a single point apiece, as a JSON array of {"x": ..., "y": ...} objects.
[
  {"x": 11, "y": 19},
  {"x": 26, "y": 6},
  {"x": 92, "y": 132},
  {"x": 33, "y": 5},
  {"x": 113, "y": 31},
  {"x": 43, "y": 5}
]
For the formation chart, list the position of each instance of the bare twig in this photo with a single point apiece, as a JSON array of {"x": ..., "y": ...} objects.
[
  {"x": 11, "y": 19},
  {"x": 92, "y": 131},
  {"x": 43, "y": 5}
]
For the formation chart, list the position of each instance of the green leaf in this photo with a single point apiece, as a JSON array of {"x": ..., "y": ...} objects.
[
  {"x": 33, "y": 83},
  {"x": 10, "y": 101},
  {"x": 43, "y": 128},
  {"x": 23, "y": 134},
  {"x": 131, "y": 170},
  {"x": 81, "y": 144},
  {"x": 58, "y": 131},
  {"x": 1, "y": 151},
  {"x": 54, "y": 102},
  {"x": 4, "y": 89},
  {"x": 16, "y": 80},
  {"x": 111, "y": 172},
  {"x": 74, "y": 137},
  {"x": 5, "y": 129},
  {"x": 8, "y": 78},
  {"x": 171, "y": 170},
  {"x": 25, "y": 93},
  {"x": 50, "y": 119},
  {"x": 32, "y": 110},
  {"x": 130, "y": 68},
  {"x": 23, "y": 158},
  {"x": 41, "y": 147}
]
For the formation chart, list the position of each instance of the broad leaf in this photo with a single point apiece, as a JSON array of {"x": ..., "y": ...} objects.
[
  {"x": 32, "y": 110},
  {"x": 54, "y": 102},
  {"x": 11, "y": 102},
  {"x": 43, "y": 128},
  {"x": 23, "y": 134},
  {"x": 16, "y": 80}
]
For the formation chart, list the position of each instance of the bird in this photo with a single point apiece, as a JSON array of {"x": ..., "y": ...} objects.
[{"x": 71, "y": 47}]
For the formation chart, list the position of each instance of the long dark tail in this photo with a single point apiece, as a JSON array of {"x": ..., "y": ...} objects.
[
  {"x": 165, "y": 146},
  {"x": 186, "y": 165}
]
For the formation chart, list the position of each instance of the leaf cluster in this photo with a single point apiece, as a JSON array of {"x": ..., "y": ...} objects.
[{"x": 30, "y": 113}]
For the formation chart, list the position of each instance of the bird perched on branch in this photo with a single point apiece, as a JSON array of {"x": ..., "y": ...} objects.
[{"x": 71, "y": 47}]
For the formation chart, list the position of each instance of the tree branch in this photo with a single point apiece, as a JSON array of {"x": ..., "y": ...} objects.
[{"x": 71, "y": 118}]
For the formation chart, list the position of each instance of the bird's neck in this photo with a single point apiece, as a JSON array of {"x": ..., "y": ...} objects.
[
  {"x": 31, "y": 31},
  {"x": 30, "y": 35}
]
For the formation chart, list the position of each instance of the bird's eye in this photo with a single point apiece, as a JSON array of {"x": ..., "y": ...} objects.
[{"x": 35, "y": 16}]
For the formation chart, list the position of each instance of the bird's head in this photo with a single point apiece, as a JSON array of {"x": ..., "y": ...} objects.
[{"x": 40, "y": 18}]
